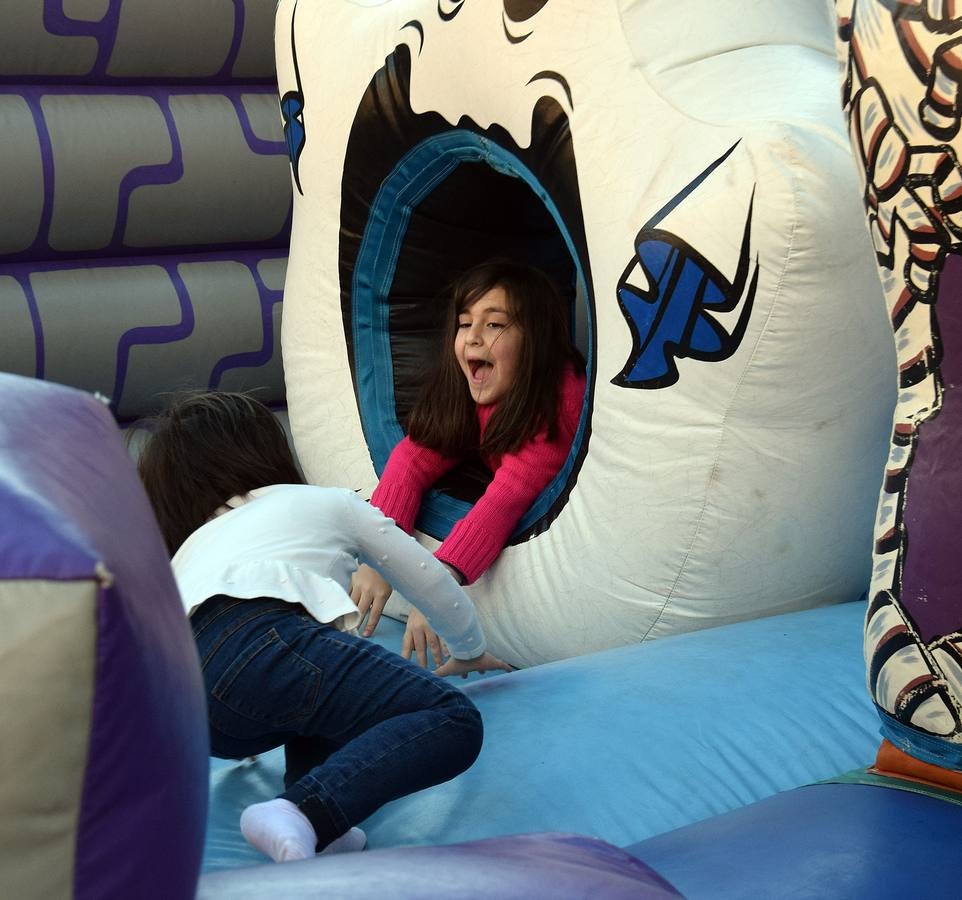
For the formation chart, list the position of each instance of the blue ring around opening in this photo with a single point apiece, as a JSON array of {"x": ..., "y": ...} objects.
[{"x": 415, "y": 176}]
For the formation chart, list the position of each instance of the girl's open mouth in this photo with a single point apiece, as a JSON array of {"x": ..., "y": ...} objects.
[{"x": 480, "y": 369}]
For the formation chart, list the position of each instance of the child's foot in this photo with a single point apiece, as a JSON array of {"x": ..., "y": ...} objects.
[
  {"x": 279, "y": 829},
  {"x": 353, "y": 839}
]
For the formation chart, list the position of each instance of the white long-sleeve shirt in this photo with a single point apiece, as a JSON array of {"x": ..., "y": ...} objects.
[{"x": 301, "y": 543}]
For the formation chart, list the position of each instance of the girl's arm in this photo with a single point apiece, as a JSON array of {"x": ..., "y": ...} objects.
[
  {"x": 419, "y": 638},
  {"x": 411, "y": 469},
  {"x": 476, "y": 540},
  {"x": 420, "y": 577}
]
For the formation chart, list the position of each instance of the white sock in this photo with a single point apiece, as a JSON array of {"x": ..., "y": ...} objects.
[
  {"x": 279, "y": 829},
  {"x": 353, "y": 839}
]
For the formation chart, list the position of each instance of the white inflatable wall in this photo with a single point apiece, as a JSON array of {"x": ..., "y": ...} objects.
[{"x": 738, "y": 480}]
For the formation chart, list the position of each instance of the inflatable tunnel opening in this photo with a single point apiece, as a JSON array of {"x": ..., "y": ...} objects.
[
  {"x": 476, "y": 213},
  {"x": 505, "y": 219},
  {"x": 421, "y": 202}
]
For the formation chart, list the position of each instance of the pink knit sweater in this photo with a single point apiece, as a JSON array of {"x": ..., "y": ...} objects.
[{"x": 519, "y": 477}]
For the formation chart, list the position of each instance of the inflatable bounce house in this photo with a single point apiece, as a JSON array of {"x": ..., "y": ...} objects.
[{"x": 684, "y": 603}]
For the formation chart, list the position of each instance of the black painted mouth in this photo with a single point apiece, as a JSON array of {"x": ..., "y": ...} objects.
[{"x": 474, "y": 213}]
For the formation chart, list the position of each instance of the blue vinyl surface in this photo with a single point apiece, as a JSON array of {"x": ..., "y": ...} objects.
[
  {"x": 822, "y": 842},
  {"x": 628, "y": 743},
  {"x": 562, "y": 866}
]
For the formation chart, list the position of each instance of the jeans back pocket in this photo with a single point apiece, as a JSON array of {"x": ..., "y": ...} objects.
[{"x": 269, "y": 683}]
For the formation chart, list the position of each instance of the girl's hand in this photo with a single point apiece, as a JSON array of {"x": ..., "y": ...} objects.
[
  {"x": 483, "y": 663},
  {"x": 420, "y": 637},
  {"x": 369, "y": 591}
]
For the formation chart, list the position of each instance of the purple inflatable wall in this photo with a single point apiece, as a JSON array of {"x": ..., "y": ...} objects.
[{"x": 128, "y": 766}]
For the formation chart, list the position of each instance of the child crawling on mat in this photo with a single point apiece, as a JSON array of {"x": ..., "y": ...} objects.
[{"x": 264, "y": 565}]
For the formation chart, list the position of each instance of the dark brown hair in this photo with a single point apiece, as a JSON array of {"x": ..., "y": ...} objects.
[
  {"x": 444, "y": 417},
  {"x": 205, "y": 448}
]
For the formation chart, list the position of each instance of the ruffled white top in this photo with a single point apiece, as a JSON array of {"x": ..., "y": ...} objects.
[{"x": 302, "y": 543}]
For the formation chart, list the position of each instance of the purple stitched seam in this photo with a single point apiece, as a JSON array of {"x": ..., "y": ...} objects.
[
  {"x": 232, "y": 253},
  {"x": 104, "y": 31},
  {"x": 235, "y": 42},
  {"x": 40, "y": 242},
  {"x": 163, "y": 173},
  {"x": 23, "y": 279},
  {"x": 154, "y": 334},
  {"x": 170, "y": 172},
  {"x": 256, "y": 144},
  {"x": 252, "y": 358}
]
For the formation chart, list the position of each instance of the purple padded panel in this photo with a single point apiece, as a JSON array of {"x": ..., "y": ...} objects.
[
  {"x": 520, "y": 867},
  {"x": 930, "y": 579},
  {"x": 71, "y": 507}
]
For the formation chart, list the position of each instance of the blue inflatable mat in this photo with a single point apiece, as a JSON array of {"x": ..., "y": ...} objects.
[
  {"x": 628, "y": 743},
  {"x": 562, "y": 866},
  {"x": 823, "y": 842}
]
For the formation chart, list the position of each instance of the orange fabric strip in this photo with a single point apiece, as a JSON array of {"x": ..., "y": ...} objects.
[{"x": 894, "y": 762}]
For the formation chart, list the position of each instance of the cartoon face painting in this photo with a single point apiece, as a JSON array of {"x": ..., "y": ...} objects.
[
  {"x": 521, "y": 159},
  {"x": 427, "y": 136}
]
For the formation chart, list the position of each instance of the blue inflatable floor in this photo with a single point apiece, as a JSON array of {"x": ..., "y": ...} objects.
[
  {"x": 823, "y": 842},
  {"x": 625, "y": 744}
]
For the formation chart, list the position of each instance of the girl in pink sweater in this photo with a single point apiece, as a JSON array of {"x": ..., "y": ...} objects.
[{"x": 510, "y": 386}]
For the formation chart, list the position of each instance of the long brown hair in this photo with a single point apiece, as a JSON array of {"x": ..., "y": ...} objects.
[
  {"x": 205, "y": 448},
  {"x": 444, "y": 417}
]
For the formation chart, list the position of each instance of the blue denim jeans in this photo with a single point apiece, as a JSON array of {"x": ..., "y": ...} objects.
[{"x": 360, "y": 725}]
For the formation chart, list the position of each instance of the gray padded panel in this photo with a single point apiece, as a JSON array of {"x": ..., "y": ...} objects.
[
  {"x": 175, "y": 38},
  {"x": 222, "y": 181},
  {"x": 266, "y": 381},
  {"x": 255, "y": 59},
  {"x": 85, "y": 10},
  {"x": 21, "y": 175},
  {"x": 170, "y": 39},
  {"x": 85, "y": 312},
  {"x": 27, "y": 48},
  {"x": 264, "y": 117},
  {"x": 18, "y": 346},
  {"x": 161, "y": 165},
  {"x": 123, "y": 325},
  {"x": 227, "y": 320},
  {"x": 96, "y": 141},
  {"x": 273, "y": 272}
]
